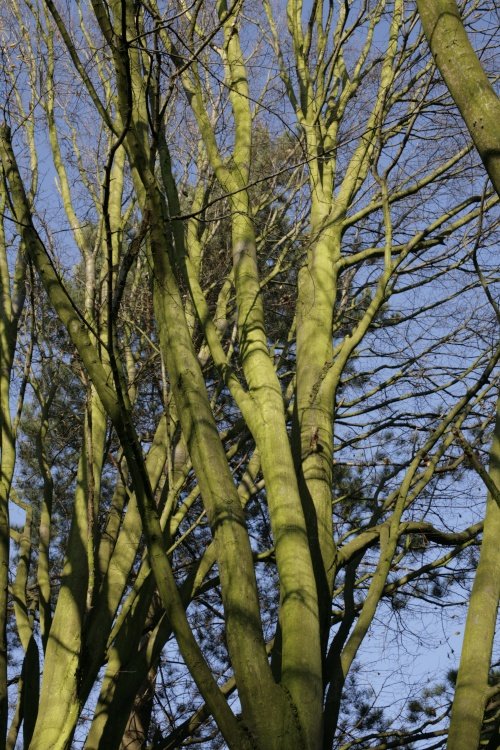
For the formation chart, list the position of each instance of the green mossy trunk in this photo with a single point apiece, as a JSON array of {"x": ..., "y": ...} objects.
[
  {"x": 471, "y": 690},
  {"x": 465, "y": 78}
]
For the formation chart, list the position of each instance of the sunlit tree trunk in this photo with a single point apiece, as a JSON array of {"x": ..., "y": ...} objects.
[
  {"x": 472, "y": 687},
  {"x": 12, "y": 297},
  {"x": 465, "y": 78}
]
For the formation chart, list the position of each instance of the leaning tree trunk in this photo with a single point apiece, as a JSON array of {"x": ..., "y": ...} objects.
[{"x": 465, "y": 78}]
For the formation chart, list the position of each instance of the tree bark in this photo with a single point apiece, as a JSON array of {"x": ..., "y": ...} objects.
[
  {"x": 472, "y": 682},
  {"x": 465, "y": 78}
]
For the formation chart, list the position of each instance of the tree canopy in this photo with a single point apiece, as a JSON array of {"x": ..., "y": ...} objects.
[{"x": 248, "y": 375}]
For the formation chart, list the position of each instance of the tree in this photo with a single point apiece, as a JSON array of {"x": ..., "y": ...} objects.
[
  {"x": 273, "y": 290},
  {"x": 468, "y": 83},
  {"x": 480, "y": 108}
]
